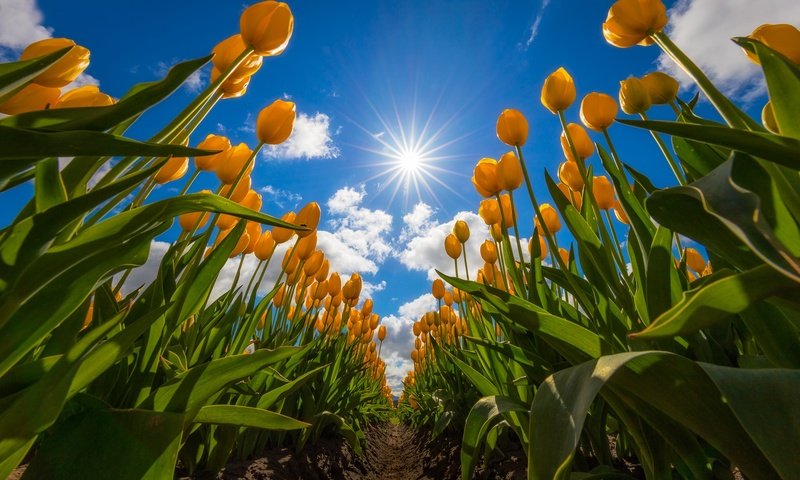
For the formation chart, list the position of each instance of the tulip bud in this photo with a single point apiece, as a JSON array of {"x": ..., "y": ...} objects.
[
  {"x": 633, "y": 96},
  {"x": 244, "y": 240},
  {"x": 489, "y": 252},
  {"x": 448, "y": 297},
  {"x": 484, "y": 177},
  {"x": 382, "y": 333},
  {"x": 694, "y": 260},
  {"x": 509, "y": 172},
  {"x": 452, "y": 246},
  {"x": 782, "y": 37},
  {"x": 314, "y": 263},
  {"x": 568, "y": 173},
  {"x": 631, "y": 22},
  {"x": 598, "y": 111},
  {"x": 619, "y": 212},
  {"x": 308, "y": 216},
  {"x": 228, "y": 50},
  {"x": 509, "y": 212},
  {"x": 267, "y": 27},
  {"x": 768, "y": 119},
  {"x": 32, "y": 98},
  {"x": 461, "y": 231},
  {"x": 175, "y": 168},
  {"x": 252, "y": 200},
  {"x": 237, "y": 159},
  {"x": 281, "y": 234},
  {"x": 192, "y": 220},
  {"x": 66, "y": 69},
  {"x": 512, "y": 127},
  {"x": 275, "y": 122},
  {"x": 240, "y": 192},
  {"x": 85, "y": 96},
  {"x": 277, "y": 300},
  {"x": 603, "y": 192},
  {"x": 573, "y": 197},
  {"x": 542, "y": 247},
  {"x": 213, "y": 142},
  {"x": 352, "y": 288},
  {"x": 253, "y": 230},
  {"x": 322, "y": 272},
  {"x": 437, "y": 289},
  {"x": 558, "y": 91},
  {"x": 496, "y": 231},
  {"x": 661, "y": 88},
  {"x": 551, "y": 220},
  {"x": 416, "y": 330},
  {"x": 489, "y": 211},
  {"x": 584, "y": 146},
  {"x": 305, "y": 246},
  {"x": 265, "y": 246},
  {"x": 232, "y": 87}
]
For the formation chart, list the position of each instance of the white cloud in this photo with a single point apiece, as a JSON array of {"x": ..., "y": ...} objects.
[
  {"x": 280, "y": 197},
  {"x": 399, "y": 341},
  {"x": 193, "y": 83},
  {"x": 368, "y": 289},
  {"x": 311, "y": 138},
  {"x": 534, "y": 30},
  {"x": 703, "y": 29}
]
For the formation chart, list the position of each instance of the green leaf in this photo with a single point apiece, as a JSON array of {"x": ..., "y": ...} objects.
[
  {"x": 481, "y": 417},
  {"x": 15, "y": 75},
  {"x": 247, "y": 417},
  {"x": 276, "y": 394}
]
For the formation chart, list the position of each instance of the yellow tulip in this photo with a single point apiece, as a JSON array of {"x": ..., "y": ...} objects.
[
  {"x": 352, "y": 288},
  {"x": 496, "y": 230},
  {"x": 267, "y": 27},
  {"x": 783, "y": 38},
  {"x": 661, "y": 88},
  {"x": 574, "y": 197},
  {"x": 241, "y": 190},
  {"x": 265, "y": 246},
  {"x": 437, "y": 289},
  {"x": 558, "y": 91},
  {"x": 489, "y": 251},
  {"x": 235, "y": 161},
  {"x": 542, "y": 246},
  {"x": 192, "y": 220},
  {"x": 308, "y": 216},
  {"x": 631, "y": 22},
  {"x": 509, "y": 172},
  {"x": 382, "y": 333},
  {"x": 314, "y": 263},
  {"x": 322, "y": 273},
  {"x": 85, "y": 96},
  {"x": 244, "y": 240},
  {"x": 461, "y": 231},
  {"x": 31, "y": 98},
  {"x": 252, "y": 200},
  {"x": 253, "y": 230},
  {"x": 598, "y": 111},
  {"x": 66, "y": 69},
  {"x": 175, "y": 168},
  {"x": 564, "y": 254},
  {"x": 281, "y": 234},
  {"x": 633, "y": 96},
  {"x": 232, "y": 87},
  {"x": 694, "y": 260},
  {"x": 620, "y": 213},
  {"x": 484, "y": 177},
  {"x": 512, "y": 127},
  {"x": 489, "y": 211},
  {"x": 212, "y": 142},
  {"x": 452, "y": 246},
  {"x": 569, "y": 174},
  {"x": 584, "y": 146},
  {"x": 768, "y": 119},
  {"x": 603, "y": 192},
  {"x": 551, "y": 220},
  {"x": 228, "y": 50},
  {"x": 509, "y": 212},
  {"x": 306, "y": 245},
  {"x": 275, "y": 122},
  {"x": 334, "y": 284}
]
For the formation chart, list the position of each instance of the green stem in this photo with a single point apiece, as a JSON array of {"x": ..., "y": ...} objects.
[
  {"x": 676, "y": 169},
  {"x": 516, "y": 235}
]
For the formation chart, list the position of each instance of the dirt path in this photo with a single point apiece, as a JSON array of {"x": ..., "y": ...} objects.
[{"x": 393, "y": 453}]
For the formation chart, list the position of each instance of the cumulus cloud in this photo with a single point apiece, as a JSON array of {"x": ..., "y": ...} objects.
[
  {"x": 311, "y": 138},
  {"x": 400, "y": 339},
  {"x": 703, "y": 29}
]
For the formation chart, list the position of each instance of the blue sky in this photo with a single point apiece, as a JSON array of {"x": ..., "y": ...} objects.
[{"x": 364, "y": 71}]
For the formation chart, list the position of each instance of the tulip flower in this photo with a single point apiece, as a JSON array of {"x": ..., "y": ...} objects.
[
  {"x": 281, "y": 234},
  {"x": 620, "y": 213},
  {"x": 509, "y": 212},
  {"x": 253, "y": 230},
  {"x": 631, "y": 22},
  {"x": 542, "y": 246},
  {"x": 236, "y": 160},
  {"x": 265, "y": 246},
  {"x": 352, "y": 288},
  {"x": 31, "y": 98},
  {"x": 512, "y": 127},
  {"x": 496, "y": 230},
  {"x": 66, "y": 69},
  {"x": 694, "y": 260},
  {"x": 306, "y": 245},
  {"x": 461, "y": 231},
  {"x": 661, "y": 87},
  {"x": 232, "y": 87},
  {"x": 489, "y": 211},
  {"x": 252, "y": 200},
  {"x": 85, "y": 96},
  {"x": 322, "y": 273},
  {"x": 603, "y": 192},
  {"x": 308, "y": 216},
  {"x": 569, "y": 174},
  {"x": 382, "y": 333},
  {"x": 192, "y": 220},
  {"x": 558, "y": 91},
  {"x": 584, "y": 146},
  {"x": 213, "y": 142},
  {"x": 509, "y": 172},
  {"x": 452, "y": 246},
  {"x": 484, "y": 177},
  {"x": 227, "y": 51},
  {"x": 564, "y": 254},
  {"x": 313, "y": 263},
  {"x": 783, "y": 38},
  {"x": 275, "y": 122},
  {"x": 244, "y": 240},
  {"x": 572, "y": 196},
  {"x": 175, "y": 168},
  {"x": 598, "y": 111},
  {"x": 768, "y": 119},
  {"x": 633, "y": 96},
  {"x": 550, "y": 217},
  {"x": 267, "y": 27},
  {"x": 437, "y": 289},
  {"x": 489, "y": 251}
]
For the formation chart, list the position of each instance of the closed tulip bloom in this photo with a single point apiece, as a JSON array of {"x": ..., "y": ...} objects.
[
  {"x": 366, "y": 308},
  {"x": 382, "y": 333},
  {"x": 253, "y": 230},
  {"x": 569, "y": 174},
  {"x": 661, "y": 88},
  {"x": 306, "y": 245},
  {"x": 598, "y": 111},
  {"x": 313, "y": 263},
  {"x": 484, "y": 177},
  {"x": 265, "y": 246},
  {"x": 228, "y": 170},
  {"x": 631, "y": 22},
  {"x": 620, "y": 213},
  {"x": 437, "y": 289},
  {"x": 308, "y": 216},
  {"x": 352, "y": 288},
  {"x": 542, "y": 246},
  {"x": 448, "y": 297},
  {"x": 509, "y": 172},
  {"x": 574, "y": 197},
  {"x": 551, "y": 220},
  {"x": 66, "y": 69},
  {"x": 694, "y": 260},
  {"x": 175, "y": 168},
  {"x": 489, "y": 251},
  {"x": 603, "y": 192},
  {"x": 633, "y": 96},
  {"x": 267, "y": 27},
  {"x": 489, "y": 211},
  {"x": 558, "y": 91},
  {"x": 275, "y": 122},
  {"x": 334, "y": 284},
  {"x": 281, "y": 234},
  {"x": 496, "y": 231},
  {"x": 252, "y": 200},
  {"x": 452, "y": 246},
  {"x": 768, "y": 119},
  {"x": 461, "y": 231},
  {"x": 85, "y": 96},
  {"x": 212, "y": 142},
  {"x": 782, "y": 37},
  {"x": 232, "y": 87},
  {"x": 509, "y": 212},
  {"x": 226, "y": 222},
  {"x": 241, "y": 190},
  {"x": 244, "y": 240},
  {"x": 192, "y": 220},
  {"x": 584, "y": 146},
  {"x": 322, "y": 273},
  {"x": 31, "y": 98},
  {"x": 512, "y": 127},
  {"x": 228, "y": 50}
]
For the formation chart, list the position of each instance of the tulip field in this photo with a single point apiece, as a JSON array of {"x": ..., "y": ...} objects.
[{"x": 638, "y": 332}]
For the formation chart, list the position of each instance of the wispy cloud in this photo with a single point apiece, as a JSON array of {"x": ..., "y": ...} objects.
[
  {"x": 312, "y": 138},
  {"x": 534, "y": 30}
]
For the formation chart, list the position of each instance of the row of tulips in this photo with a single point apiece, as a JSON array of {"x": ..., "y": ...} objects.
[
  {"x": 609, "y": 331},
  {"x": 100, "y": 375}
]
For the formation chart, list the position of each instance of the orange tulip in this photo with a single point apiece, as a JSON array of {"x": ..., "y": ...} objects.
[
  {"x": 66, "y": 69},
  {"x": 267, "y": 27}
]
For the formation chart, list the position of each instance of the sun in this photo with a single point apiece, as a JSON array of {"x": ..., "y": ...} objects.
[{"x": 410, "y": 160}]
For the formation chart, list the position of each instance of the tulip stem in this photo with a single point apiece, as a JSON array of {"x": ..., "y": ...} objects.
[
  {"x": 238, "y": 272},
  {"x": 675, "y": 109},
  {"x": 618, "y": 256},
  {"x": 466, "y": 267},
  {"x": 191, "y": 180},
  {"x": 516, "y": 235},
  {"x": 676, "y": 169}
]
